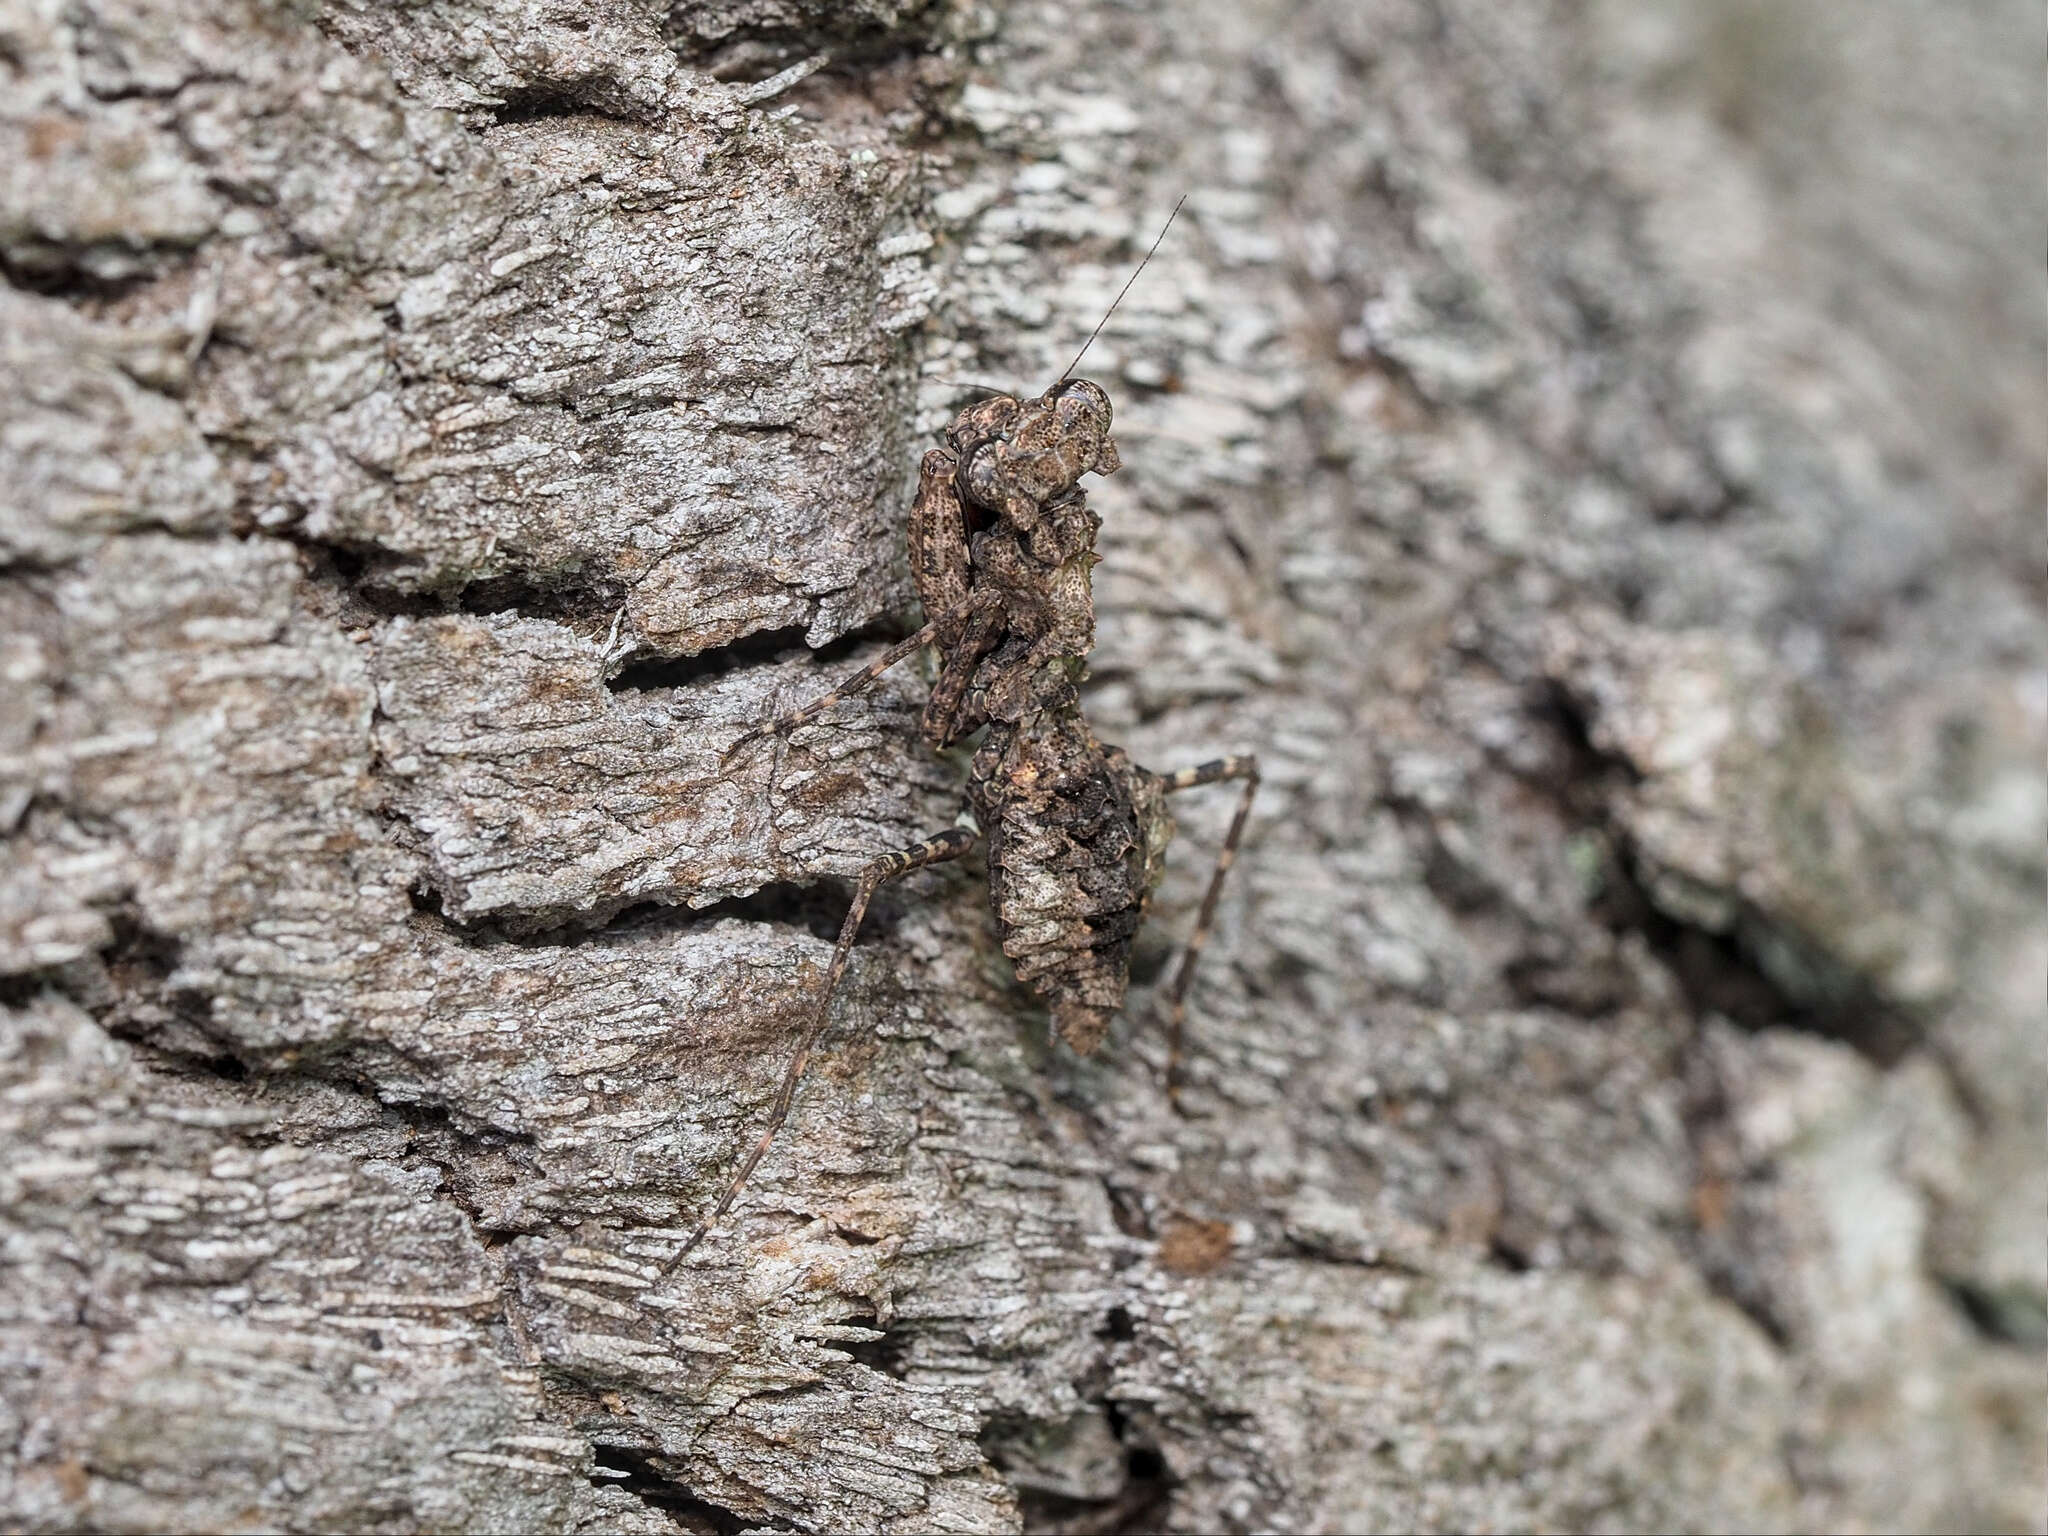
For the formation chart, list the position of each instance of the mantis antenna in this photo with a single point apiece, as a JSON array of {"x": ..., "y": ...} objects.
[{"x": 1120, "y": 294}]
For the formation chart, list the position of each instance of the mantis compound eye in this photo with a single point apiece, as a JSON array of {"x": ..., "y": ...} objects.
[
  {"x": 1083, "y": 409},
  {"x": 1084, "y": 398}
]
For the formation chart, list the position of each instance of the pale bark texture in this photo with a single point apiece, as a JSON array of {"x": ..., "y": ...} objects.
[{"x": 1593, "y": 456}]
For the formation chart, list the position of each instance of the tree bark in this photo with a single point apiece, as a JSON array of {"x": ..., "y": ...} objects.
[{"x": 1591, "y": 455}]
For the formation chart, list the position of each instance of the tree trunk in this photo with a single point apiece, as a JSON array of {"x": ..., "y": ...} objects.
[{"x": 1593, "y": 457}]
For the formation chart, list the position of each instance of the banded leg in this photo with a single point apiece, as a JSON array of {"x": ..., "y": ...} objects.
[
  {"x": 950, "y": 844},
  {"x": 863, "y": 679},
  {"x": 1220, "y": 771}
]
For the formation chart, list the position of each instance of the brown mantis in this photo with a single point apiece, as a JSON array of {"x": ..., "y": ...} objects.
[{"x": 1002, "y": 543}]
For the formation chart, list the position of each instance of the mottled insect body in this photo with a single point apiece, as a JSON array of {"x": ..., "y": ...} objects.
[
  {"x": 1001, "y": 528},
  {"x": 1004, "y": 581},
  {"x": 1020, "y": 458},
  {"x": 1077, "y": 837},
  {"x": 1002, "y": 544}
]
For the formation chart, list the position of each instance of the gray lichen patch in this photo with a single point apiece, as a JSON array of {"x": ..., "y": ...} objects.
[
  {"x": 92, "y": 447},
  {"x": 549, "y": 796},
  {"x": 270, "y": 1331},
  {"x": 584, "y": 350}
]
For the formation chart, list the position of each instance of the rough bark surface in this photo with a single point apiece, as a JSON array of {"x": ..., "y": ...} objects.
[{"x": 1593, "y": 457}]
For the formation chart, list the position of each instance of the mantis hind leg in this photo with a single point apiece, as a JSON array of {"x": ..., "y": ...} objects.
[
  {"x": 950, "y": 844},
  {"x": 1222, "y": 770}
]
